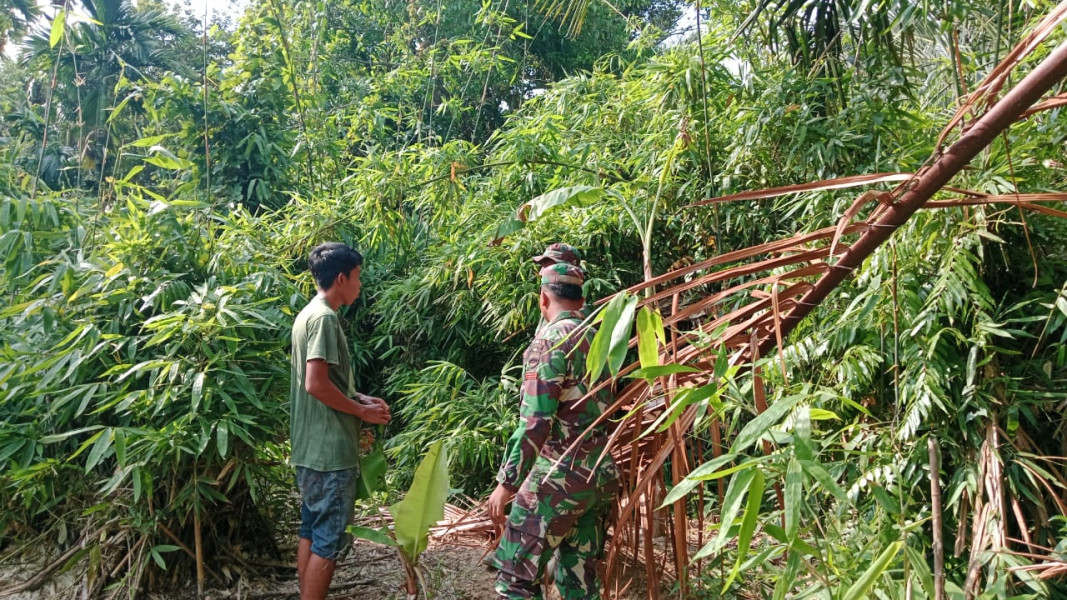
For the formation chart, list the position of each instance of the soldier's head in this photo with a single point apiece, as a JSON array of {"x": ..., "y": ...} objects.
[
  {"x": 336, "y": 269},
  {"x": 559, "y": 253},
  {"x": 561, "y": 289}
]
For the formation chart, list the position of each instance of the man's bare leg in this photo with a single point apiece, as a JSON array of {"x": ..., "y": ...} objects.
[
  {"x": 318, "y": 573},
  {"x": 303, "y": 553}
]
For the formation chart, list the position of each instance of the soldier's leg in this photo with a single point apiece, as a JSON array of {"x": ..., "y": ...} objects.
[
  {"x": 521, "y": 556},
  {"x": 580, "y": 552}
]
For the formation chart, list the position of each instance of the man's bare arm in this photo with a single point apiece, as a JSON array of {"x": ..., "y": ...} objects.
[{"x": 318, "y": 384}]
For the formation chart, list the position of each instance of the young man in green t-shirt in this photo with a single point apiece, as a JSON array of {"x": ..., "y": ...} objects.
[{"x": 326, "y": 414}]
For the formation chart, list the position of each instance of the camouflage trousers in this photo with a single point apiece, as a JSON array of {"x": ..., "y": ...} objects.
[{"x": 548, "y": 521}]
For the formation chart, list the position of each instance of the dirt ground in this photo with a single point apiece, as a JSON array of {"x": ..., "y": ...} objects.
[{"x": 451, "y": 571}]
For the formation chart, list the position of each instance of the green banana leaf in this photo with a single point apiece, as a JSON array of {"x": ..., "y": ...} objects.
[{"x": 423, "y": 505}]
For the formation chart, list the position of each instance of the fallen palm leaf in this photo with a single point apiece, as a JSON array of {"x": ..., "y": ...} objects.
[{"x": 815, "y": 186}]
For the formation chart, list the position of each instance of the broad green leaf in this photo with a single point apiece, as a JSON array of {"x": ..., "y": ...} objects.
[
  {"x": 578, "y": 195},
  {"x": 597, "y": 358},
  {"x": 680, "y": 491},
  {"x": 372, "y": 468},
  {"x": 794, "y": 482},
  {"x": 874, "y": 571},
  {"x": 620, "y": 336},
  {"x": 649, "y": 335},
  {"x": 423, "y": 505},
  {"x": 885, "y": 499},
  {"x": 758, "y": 426},
  {"x": 121, "y": 106},
  {"x": 712, "y": 465},
  {"x": 378, "y": 536},
  {"x": 57, "y": 28}
]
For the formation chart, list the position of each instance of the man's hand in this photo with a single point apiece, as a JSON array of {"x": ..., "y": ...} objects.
[
  {"x": 371, "y": 400},
  {"x": 497, "y": 504},
  {"x": 375, "y": 414}
]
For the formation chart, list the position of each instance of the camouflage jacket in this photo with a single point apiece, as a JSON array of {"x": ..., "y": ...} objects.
[{"x": 552, "y": 414}]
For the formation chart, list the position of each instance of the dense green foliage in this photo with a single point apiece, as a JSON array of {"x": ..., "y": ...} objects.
[{"x": 154, "y": 224}]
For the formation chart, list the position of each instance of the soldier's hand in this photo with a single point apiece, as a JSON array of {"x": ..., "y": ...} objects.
[{"x": 498, "y": 503}]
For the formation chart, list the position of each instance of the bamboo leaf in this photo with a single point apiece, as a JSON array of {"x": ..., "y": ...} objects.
[
  {"x": 874, "y": 571},
  {"x": 802, "y": 433},
  {"x": 649, "y": 333},
  {"x": 819, "y": 474},
  {"x": 59, "y": 437},
  {"x": 661, "y": 371},
  {"x": 798, "y": 544},
  {"x": 731, "y": 504},
  {"x": 198, "y": 391},
  {"x": 748, "y": 525},
  {"x": 597, "y": 358},
  {"x": 922, "y": 569},
  {"x": 222, "y": 432},
  {"x": 794, "y": 482},
  {"x": 788, "y": 577},
  {"x": 730, "y": 470},
  {"x": 620, "y": 336},
  {"x": 758, "y": 426},
  {"x": 100, "y": 449}
]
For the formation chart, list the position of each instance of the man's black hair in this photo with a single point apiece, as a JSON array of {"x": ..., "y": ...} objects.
[
  {"x": 331, "y": 259},
  {"x": 567, "y": 291}
]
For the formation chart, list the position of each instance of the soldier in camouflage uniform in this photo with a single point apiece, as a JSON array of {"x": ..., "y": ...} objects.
[{"x": 559, "y": 509}]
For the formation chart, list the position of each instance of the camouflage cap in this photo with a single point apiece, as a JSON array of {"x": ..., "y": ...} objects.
[
  {"x": 560, "y": 253},
  {"x": 562, "y": 273}
]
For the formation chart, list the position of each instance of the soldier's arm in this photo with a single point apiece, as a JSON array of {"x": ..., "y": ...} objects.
[{"x": 541, "y": 388}]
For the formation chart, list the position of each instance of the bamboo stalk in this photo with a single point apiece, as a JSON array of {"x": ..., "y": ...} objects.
[
  {"x": 935, "y": 499},
  {"x": 199, "y": 545}
]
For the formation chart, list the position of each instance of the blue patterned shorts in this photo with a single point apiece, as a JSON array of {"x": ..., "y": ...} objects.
[{"x": 326, "y": 509}]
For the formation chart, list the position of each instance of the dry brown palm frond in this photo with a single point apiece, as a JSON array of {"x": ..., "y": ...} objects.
[
  {"x": 1024, "y": 201},
  {"x": 986, "y": 92},
  {"x": 1047, "y": 104},
  {"x": 839, "y": 183},
  {"x": 794, "y": 243}
]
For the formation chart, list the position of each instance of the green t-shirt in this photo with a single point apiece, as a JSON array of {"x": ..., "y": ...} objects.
[{"x": 323, "y": 439}]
